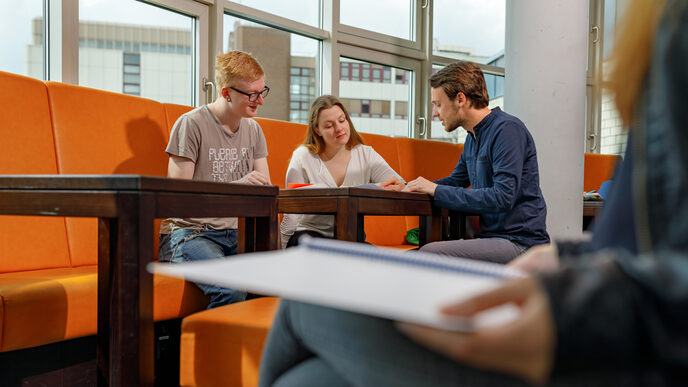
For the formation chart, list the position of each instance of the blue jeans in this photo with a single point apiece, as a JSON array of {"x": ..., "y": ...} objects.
[{"x": 184, "y": 245}]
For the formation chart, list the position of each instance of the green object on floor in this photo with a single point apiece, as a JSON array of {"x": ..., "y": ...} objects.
[{"x": 412, "y": 236}]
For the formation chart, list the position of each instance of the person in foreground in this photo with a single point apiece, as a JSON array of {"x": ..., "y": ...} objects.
[
  {"x": 333, "y": 155},
  {"x": 499, "y": 161},
  {"x": 217, "y": 142},
  {"x": 612, "y": 312}
]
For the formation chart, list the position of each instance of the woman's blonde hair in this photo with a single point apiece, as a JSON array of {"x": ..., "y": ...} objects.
[
  {"x": 314, "y": 142},
  {"x": 634, "y": 37},
  {"x": 236, "y": 65}
]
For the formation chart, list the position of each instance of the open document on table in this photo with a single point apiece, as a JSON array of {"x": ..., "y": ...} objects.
[{"x": 388, "y": 283}]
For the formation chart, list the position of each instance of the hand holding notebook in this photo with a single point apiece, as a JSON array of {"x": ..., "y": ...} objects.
[{"x": 387, "y": 283}]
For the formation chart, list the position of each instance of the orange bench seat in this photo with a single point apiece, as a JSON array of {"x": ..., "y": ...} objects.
[
  {"x": 48, "y": 265},
  {"x": 223, "y": 346}
]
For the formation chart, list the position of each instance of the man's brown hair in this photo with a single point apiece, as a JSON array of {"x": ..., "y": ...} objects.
[
  {"x": 462, "y": 77},
  {"x": 314, "y": 142},
  {"x": 236, "y": 65}
]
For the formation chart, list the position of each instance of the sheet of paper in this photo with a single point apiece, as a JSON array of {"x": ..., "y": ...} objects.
[{"x": 358, "y": 284}]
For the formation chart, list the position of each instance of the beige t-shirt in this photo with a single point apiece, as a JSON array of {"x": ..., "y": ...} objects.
[{"x": 219, "y": 156}]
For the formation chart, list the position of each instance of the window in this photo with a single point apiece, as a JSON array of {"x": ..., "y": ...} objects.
[
  {"x": 21, "y": 37},
  {"x": 365, "y": 107},
  {"x": 138, "y": 30},
  {"x": 605, "y": 133},
  {"x": 400, "y": 109},
  {"x": 365, "y": 14},
  {"x": 304, "y": 77},
  {"x": 469, "y": 30},
  {"x": 370, "y": 98},
  {"x": 273, "y": 48},
  {"x": 131, "y": 77},
  {"x": 303, "y": 11}
]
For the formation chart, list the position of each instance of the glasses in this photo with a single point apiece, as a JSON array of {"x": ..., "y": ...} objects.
[{"x": 253, "y": 97}]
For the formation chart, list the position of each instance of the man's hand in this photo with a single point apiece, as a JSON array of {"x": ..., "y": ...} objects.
[
  {"x": 523, "y": 347},
  {"x": 255, "y": 178},
  {"x": 392, "y": 184},
  {"x": 542, "y": 258},
  {"x": 421, "y": 184}
]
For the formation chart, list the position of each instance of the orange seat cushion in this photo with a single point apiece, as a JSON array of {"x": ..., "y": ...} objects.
[
  {"x": 26, "y": 130},
  {"x": 44, "y": 306},
  {"x": 223, "y": 346},
  {"x": 39, "y": 307},
  {"x": 598, "y": 169}
]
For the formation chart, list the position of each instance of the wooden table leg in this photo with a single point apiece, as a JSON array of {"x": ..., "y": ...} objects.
[
  {"x": 246, "y": 236},
  {"x": 128, "y": 329},
  {"x": 105, "y": 250},
  {"x": 348, "y": 223},
  {"x": 267, "y": 230}
]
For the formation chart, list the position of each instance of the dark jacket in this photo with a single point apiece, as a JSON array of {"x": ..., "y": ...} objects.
[
  {"x": 615, "y": 310},
  {"x": 500, "y": 163}
]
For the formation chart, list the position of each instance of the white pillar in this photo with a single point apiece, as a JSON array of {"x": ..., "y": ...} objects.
[{"x": 544, "y": 86}]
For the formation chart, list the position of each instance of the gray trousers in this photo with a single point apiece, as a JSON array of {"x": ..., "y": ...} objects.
[
  {"x": 311, "y": 346},
  {"x": 498, "y": 250}
]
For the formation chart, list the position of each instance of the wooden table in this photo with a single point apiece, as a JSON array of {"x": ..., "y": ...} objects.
[
  {"x": 125, "y": 206},
  {"x": 591, "y": 209},
  {"x": 349, "y": 205}
]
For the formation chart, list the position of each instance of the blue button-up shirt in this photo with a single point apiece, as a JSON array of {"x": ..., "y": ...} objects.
[{"x": 500, "y": 163}]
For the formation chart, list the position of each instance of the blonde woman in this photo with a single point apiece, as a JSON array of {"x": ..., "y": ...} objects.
[{"x": 332, "y": 155}]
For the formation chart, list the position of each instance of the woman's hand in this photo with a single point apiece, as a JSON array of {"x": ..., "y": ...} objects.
[
  {"x": 392, "y": 184},
  {"x": 523, "y": 347},
  {"x": 542, "y": 258}
]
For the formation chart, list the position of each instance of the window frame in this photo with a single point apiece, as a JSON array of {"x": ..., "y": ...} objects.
[
  {"x": 335, "y": 39},
  {"x": 61, "y": 48}
]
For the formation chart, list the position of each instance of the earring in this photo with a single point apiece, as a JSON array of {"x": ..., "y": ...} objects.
[{"x": 229, "y": 99}]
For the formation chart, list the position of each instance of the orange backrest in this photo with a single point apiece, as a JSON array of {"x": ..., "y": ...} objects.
[
  {"x": 386, "y": 146},
  {"x": 598, "y": 169},
  {"x": 26, "y": 132},
  {"x": 384, "y": 230},
  {"x": 431, "y": 159},
  {"x": 282, "y": 138},
  {"x": 172, "y": 113},
  {"x": 99, "y": 132}
]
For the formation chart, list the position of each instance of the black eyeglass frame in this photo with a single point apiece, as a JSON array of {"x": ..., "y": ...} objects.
[{"x": 253, "y": 97}]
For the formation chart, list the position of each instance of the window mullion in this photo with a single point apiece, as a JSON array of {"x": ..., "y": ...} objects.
[{"x": 62, "y": 43}]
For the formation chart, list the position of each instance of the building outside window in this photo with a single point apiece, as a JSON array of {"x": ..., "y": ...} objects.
[
  {"x": 288, "y": 60},
  {"x": 114, "y": 35},
  {"x": 22, "y": 41}
]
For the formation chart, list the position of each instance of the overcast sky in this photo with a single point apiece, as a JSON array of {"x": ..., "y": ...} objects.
[{"x": 468, "y": 23}]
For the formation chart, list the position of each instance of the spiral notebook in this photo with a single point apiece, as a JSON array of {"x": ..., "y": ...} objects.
[{"x": 382, "y": 282}]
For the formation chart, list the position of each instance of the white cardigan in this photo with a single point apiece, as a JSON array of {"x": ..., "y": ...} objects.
[{"x": 366, "y": 166}]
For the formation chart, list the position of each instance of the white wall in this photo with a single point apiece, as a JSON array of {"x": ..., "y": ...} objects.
[{"x": 546, "y": 47}]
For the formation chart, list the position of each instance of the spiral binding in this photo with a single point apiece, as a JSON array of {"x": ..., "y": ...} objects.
[{"x": 462, "y": 265}]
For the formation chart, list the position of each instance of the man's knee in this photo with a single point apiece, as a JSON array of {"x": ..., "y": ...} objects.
[{"x": 442, "y": 247}]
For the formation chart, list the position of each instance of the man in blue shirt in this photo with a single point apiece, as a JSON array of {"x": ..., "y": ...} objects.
[{"x": 499, "y": 161}]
